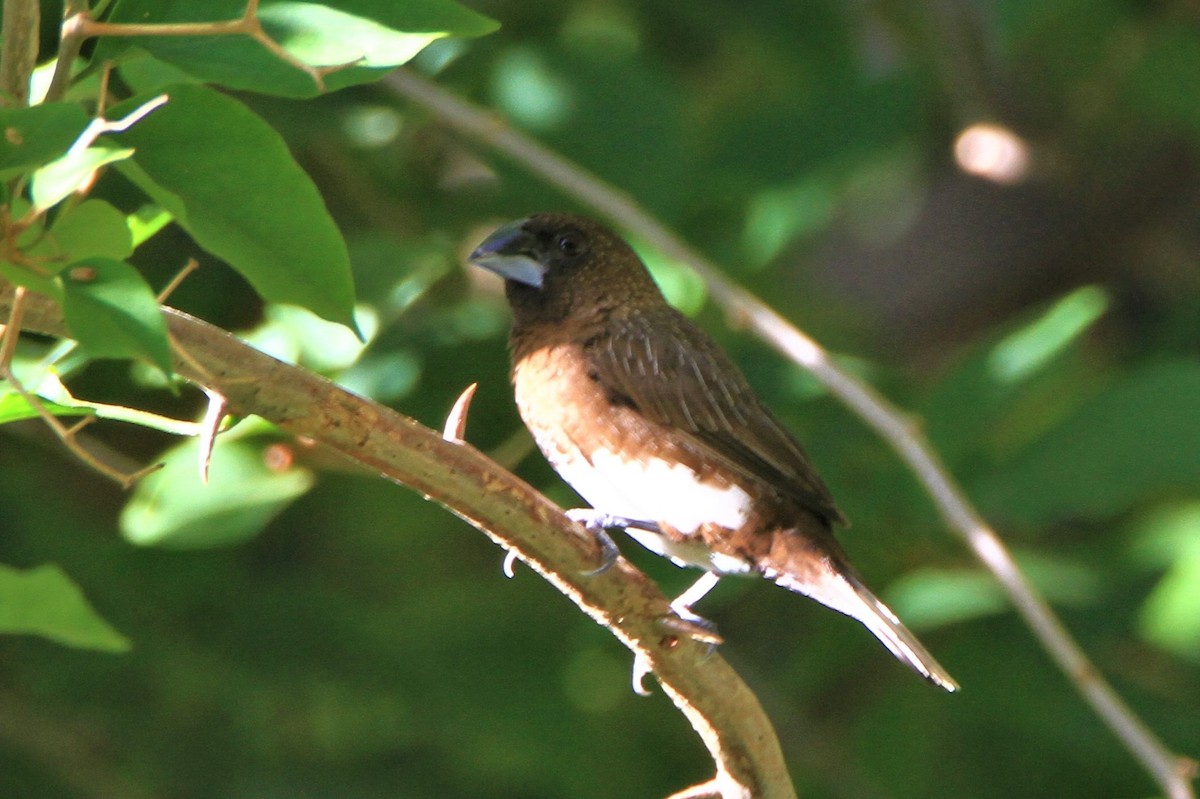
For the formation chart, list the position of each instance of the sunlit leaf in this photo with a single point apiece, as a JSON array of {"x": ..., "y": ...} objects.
[
  {"x": 73, "y": 172},
  {"x": 229, "y": 180},
  {"x": 112, "y": 312},
  {"x": 1170, "y": 616},
  {"x": 145, "y": 222},
  {"x": 14, "y": 408},
  {"x": 44, "y": 601},
  {"x": 36, "y": 135},
  {"x": 934, "y": 597},
  {"x": 92, "y": 228},
  {"x": 372, "y": 36},
  {"x": 1028, "y": 349},
  {"x": 173, "y": 508}
]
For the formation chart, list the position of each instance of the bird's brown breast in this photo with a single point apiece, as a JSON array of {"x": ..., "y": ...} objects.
[{"x": 626, "y": 464}]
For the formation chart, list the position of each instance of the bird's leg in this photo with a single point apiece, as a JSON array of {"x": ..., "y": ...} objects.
[
  {"x": 597, "y": 523},
  {"x": 681, "y": 606}
]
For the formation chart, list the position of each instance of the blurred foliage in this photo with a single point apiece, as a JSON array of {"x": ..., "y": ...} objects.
[{"x": 297, "y": 630}]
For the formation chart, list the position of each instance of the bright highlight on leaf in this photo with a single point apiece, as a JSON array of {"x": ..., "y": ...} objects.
[
  {"x": 145, "y": 222},
  {"x": 44, "y": 601},
  {"x": 14, "y": 408},
  {"x": 113, "y": 313},
  {"x": 1033, "y": 346},
  {"x": 173, "y": 508},
  {"x": 1170, "y": 617},
  {"x": 323, "y": 36},
  {"x": 372, "y": 37},
  {"x": 73, "y": 172}
]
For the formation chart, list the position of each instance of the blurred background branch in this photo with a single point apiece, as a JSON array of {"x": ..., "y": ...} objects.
[{"x": 1173, "y": 772}]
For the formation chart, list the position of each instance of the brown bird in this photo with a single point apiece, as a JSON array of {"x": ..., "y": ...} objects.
[{"x": 651, "y": 423}]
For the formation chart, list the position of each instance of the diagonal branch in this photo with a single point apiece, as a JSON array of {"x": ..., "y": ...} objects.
[
  {"x": 1173, "y": 772},
  {"x": 720, "y": 707}
]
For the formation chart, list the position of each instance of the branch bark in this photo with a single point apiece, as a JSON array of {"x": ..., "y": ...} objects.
[
  {"x": 720, "y": 707},
  {"x": 1174, "y": 773},
  {"x": 21, "y": 25}
]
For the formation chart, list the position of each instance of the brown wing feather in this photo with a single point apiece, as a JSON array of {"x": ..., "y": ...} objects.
[{"x": 678, "y": 377}]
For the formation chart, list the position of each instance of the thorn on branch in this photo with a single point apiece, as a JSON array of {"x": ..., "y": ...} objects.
[
  {"x": 209, "y": 427},
  {"x": 456, "y": 421}
]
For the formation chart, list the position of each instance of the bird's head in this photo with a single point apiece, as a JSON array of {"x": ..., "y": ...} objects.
[{"x": 562, "y": 267}]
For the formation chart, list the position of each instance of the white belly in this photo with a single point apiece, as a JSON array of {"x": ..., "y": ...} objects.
[{"x": 657, "y": 491}]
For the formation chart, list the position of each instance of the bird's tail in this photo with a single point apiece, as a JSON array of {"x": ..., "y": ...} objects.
[{"x": 837, "y": 586}]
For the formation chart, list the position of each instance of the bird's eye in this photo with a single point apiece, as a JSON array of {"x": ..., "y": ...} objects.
[{"x": 570, "y": 244}]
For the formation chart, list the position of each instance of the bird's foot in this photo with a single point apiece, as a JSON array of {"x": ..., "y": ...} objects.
[
  {"x": 597, "y": 523},
  {"x": 682, "y": 621},
  {"x": 594, "y": 520}
]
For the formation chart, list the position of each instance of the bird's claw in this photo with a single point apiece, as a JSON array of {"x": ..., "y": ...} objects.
[
  {"x": 609, "y": 552},
  {"x": 641, "y": 670},
  {"x": 597, "y": 523}
]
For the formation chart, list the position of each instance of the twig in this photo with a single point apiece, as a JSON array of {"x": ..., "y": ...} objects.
[
  {"x": 190, "y": 266},
  {"x": 718, "y": 704},
  {"x": 1172, "y": 772},
  {"x": 79, "y": 26}
]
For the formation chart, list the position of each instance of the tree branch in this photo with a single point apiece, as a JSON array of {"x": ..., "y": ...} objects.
[
  {"x": 1173, "y": 772},
  {"x": 21, "y": 26},
  {"x": 716, "y": 702}
]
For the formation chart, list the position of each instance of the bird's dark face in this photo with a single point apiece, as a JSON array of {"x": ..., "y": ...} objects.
[{"x": 558, "y": 267}]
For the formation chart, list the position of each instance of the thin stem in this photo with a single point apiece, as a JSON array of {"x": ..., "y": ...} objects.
[
  {"x": 81, "y": 25},
  {"x": 1172, "y": 772}
]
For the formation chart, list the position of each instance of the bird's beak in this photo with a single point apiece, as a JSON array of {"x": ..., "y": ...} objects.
[{"x": 509, "y": 253}]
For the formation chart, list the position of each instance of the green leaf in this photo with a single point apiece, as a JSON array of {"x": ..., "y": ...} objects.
[
  {"x": 1138, "y": 438},
  {"x": 1169, "y": 617},
  {"x": 145, "y": 74},
  {"x": 375, "y": 36},
  {"x": 22, "y": 275},
  {"x": 1036, "y": 344},
  {"x": 36, "y": 135},
  {"x": 145, "y": 222},
  {"x": 44, "y": 601},
  {"x": 56, "y": 180},
  {"x": 92, "y": 228},
  {"x": 173, "y": 508},
  {"x": 14, "y": 408},
  {"x": 112, "y": 312},
  {"x": 929, "y": 598},
  {"x": 230, "y": 181}
]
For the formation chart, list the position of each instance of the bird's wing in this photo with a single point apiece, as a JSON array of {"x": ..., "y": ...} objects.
[{"x": 671, "y": 371}]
